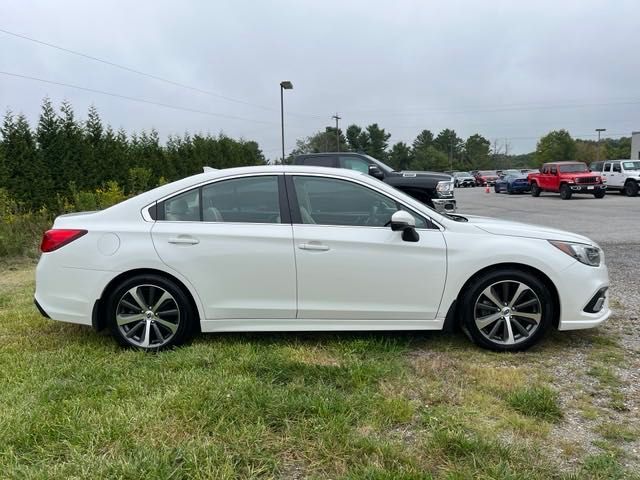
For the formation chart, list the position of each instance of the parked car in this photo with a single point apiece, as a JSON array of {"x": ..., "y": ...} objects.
[
  {"x": 434, "y": 189},
  {"x": 486, "y": 177},
  {"x": 278, "y": 248},
  {"x": 567, "y": 178},
  {"x": 620, "y": 175},
  {"x": 463, "y": 179},
  {"x": 512, "y": 183}
]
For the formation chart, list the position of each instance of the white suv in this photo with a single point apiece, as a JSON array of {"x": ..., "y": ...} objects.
[{"x": 621, "y": 175}]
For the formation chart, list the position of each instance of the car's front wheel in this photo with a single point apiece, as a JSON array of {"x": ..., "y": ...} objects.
[
  {"x": 535, "y": 190},
  {"x": 150, "y": 312},
  {"x": 507, "y": 310},
  {"x": 565, "y": 192}
]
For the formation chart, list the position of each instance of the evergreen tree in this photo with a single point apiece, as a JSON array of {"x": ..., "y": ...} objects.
[
  {"x": 50, "y": 148},
  {"x": 400, "y": 156},
  {"x": 378, "y": 142}
]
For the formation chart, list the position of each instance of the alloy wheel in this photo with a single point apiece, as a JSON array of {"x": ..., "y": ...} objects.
[
  {"x": 507, "y": 312},
  {"x": 147, "y": 316}
]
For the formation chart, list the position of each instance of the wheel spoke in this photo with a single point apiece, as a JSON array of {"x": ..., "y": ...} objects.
[
  {"x": 171, "y": 326},
  {"x": 532, "y": 316},
  {"x": 509, "y": 340},
  {"x": 488, "y": 292},
  {"x": 163, "y": 298},
  {"x": 129, "y": 305},
  {"x": 173, "y": 311},
  {"x": 124, "y": 319},
  {"x": 133, "y": 330},
  {"x": 523, "y": 331},
  {"x": 495, "y": 328},
  {"x": 526, "y": 304},
  {"x": 487, "y": 320},
  {"x": 147, "y": 335},
  {"x": 137, "y": 296},
  {"x": 516, "y": 296},
  {"x": 159, "y": 335}
]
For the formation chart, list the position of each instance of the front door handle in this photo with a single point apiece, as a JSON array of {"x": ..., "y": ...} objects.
[
  {"x": 318, "y": 247},
  {"x": 184, "y": 240}
]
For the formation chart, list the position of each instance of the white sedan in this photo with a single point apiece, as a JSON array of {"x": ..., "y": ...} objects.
[{"x": 292, "y": 248}]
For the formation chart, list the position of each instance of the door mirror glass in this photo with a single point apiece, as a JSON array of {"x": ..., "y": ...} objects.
[{"x": 375, "y": 172}]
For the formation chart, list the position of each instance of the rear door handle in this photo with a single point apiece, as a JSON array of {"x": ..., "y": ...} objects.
[
  {"x": 318, "y": 247},
  {"x": 184, "y": 240}
]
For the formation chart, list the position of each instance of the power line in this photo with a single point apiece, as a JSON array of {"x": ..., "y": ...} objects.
[
  {"x": 490, "y": 109},
  {"x": 135, "y": 99},
  {"x": 148, "y": 75}
]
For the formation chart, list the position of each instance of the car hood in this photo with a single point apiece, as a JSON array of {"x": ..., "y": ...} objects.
[
  {"x": 496, "y": 226},
  {"x": 434, "y": 175}
]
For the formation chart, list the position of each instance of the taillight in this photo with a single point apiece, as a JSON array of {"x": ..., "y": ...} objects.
[{"x": 56, "y": 238}]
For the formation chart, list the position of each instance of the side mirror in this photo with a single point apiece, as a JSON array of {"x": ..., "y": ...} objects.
[
  {"x": 375, "y": 172},
  {"x": 404, "y": 222}
]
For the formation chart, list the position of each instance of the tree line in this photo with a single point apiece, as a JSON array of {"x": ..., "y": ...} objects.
[
  {"x": 447, "y": 151},
  {"x": 46, "y": 165}
]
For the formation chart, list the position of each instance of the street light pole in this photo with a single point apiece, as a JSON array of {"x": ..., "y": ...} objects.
[
  {"x": 337, "y": 132},
  {"x": 285, "y": 85},
  {"x": 599, "y": 130}
]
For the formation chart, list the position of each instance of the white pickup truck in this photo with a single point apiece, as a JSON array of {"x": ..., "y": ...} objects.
[{"x": 620, "y": 175}]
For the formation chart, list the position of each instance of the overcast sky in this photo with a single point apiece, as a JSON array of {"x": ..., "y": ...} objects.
[{"x": 505, "y": 69}]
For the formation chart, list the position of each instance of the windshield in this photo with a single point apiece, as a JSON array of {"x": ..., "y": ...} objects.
[
  {"x": 631, "y": 165},
  {"x": 461, "y": 174},
  {"x": 490, "y": 173},
  {"x": 573, "y": 168}
]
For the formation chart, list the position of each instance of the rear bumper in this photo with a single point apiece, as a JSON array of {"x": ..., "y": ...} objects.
[{"x": 68, "y": 294}]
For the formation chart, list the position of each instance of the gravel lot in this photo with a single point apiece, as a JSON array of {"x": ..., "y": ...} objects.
[{"x": 613, "y": 222}]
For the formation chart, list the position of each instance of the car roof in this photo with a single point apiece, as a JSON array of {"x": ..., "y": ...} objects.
[{"x": 564, "y": 162}]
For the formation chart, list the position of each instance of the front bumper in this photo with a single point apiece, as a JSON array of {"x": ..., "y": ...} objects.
[
  {"x": 444, "y": 205},
  {"x": 575, "y": 188},
  {"x": 577, "y": 287}
]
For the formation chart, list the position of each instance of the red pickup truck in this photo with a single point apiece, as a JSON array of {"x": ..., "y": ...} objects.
[{"x": 567, "y": 178}]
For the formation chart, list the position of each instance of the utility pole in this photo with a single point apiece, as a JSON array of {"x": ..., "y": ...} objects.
[
  {"x": 284, "y": 85},
  {"x": 337, "y": 131},
  {"x": 599, "y": 130},
  {"x": 451, "y": 155}
]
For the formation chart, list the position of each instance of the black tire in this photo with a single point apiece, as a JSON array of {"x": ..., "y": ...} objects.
[
  {"x": 535, "y": 190},
  {"x": 496, "y": 189},
  {"x": 185, "y": 320},
  {"x": 565, "y": 192},
  {"x": 600, "y": 194},
  {"x": 631, "y": 188},
  {"x": 509, "y": 191},
  {"x": 474, "y": 293}
]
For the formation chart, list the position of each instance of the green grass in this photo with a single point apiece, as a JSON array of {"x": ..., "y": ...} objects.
[
  {"x": 540, "y": 402},
  {"x": 351, "y": 406}
]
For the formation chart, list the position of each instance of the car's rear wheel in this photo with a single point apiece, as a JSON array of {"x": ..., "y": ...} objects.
[
  {"x": 150, "y": 312},
  {"x": 535, "y": 190},
  {"x": 565, "y": 192},
  {"x": 507, "y": 310},
  {"x": 631, "y": 188}
]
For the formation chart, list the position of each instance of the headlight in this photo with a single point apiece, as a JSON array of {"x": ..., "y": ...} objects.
[
  {"x": 444, "y": 186},
  {"x": 587, "y": 254}
]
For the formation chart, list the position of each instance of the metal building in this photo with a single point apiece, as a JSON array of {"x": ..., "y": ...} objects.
[{"x": 635, "y": 145}]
